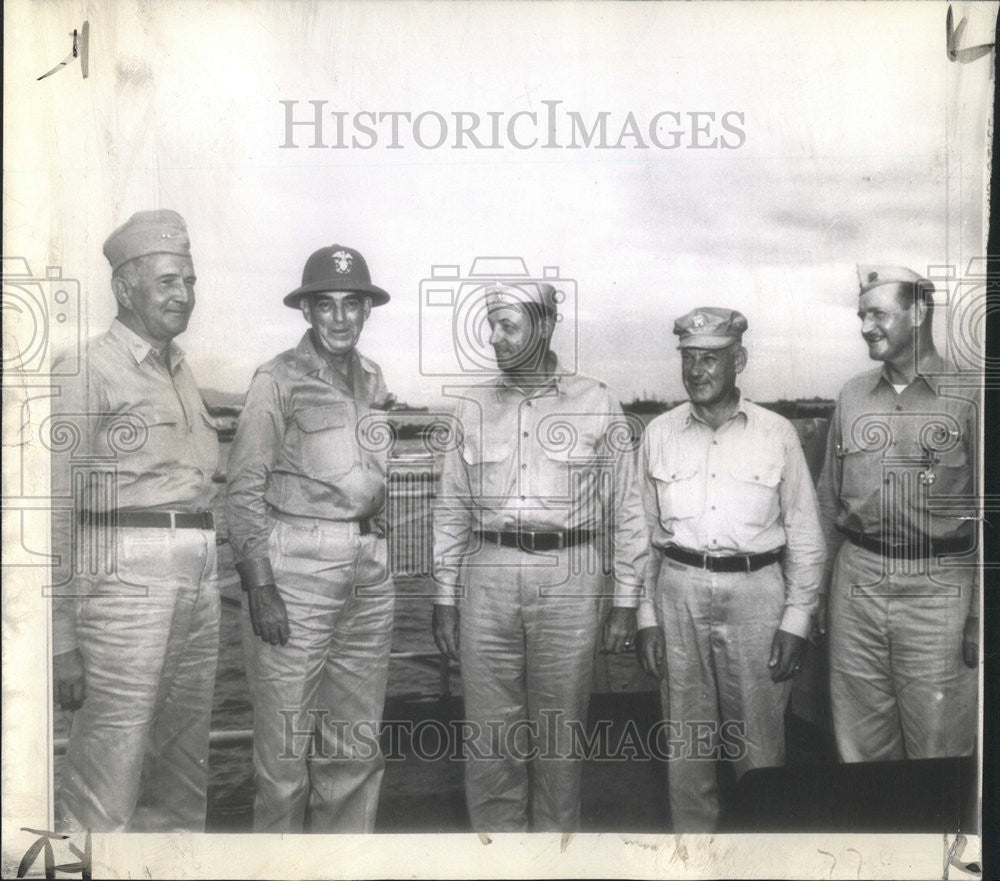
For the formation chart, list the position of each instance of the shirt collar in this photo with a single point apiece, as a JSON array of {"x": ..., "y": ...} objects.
[
  {"x": 741, "y": 407},
  {"x": 932, "y": 371},
  {"x": 503, "y": 382},
  {"x": 313, "y": 362},
  {"x": 140, "y": 349}
]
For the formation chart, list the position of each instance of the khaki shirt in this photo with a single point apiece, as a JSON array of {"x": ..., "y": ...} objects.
[
  {"x": 743, "y": 488},
  {"x": 306, "y": 445},
  {"x": 141, "y": 422},
  {"x": 557, "y": 458},
  {"x": 899, "y": 466}
]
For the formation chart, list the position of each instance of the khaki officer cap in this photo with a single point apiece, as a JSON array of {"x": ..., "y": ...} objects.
[
  {"x": 873, "y": 276},
  {"x": 148, "y": 232},
  {"x": 710, "y": 328}
]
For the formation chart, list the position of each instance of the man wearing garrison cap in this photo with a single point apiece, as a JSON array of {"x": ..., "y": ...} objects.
[
  {"x": 305, "y": 492},
  {"x": 541, "y": 487},
  {"x": 734, "y": 570},
  {"x": 136, "y": 598},
  {"x": 898, "y": 503}
]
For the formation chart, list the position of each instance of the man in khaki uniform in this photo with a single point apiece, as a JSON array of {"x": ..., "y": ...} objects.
[
  {"x": 136, "y": 644},
  {"x": 303, "y": 496},
  {"x": 541, "y": 484},
  {"x": 896, "y": 495},
  {"x": 734, "y": 572}
]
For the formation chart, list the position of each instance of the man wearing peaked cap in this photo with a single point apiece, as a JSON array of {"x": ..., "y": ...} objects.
[
  {"x": 305, "y": 498},
  {"x": 734, "y": 569},
  {"x": 896, "y": 495},
  {"x": 710, "y": 328},
  {"x": 523, "y": 541},
  {"x": 136, "y": 642}
]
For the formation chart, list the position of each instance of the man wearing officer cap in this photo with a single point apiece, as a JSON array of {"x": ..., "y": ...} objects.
[
  {"x": 305, "y": 494},
  {"x": 897, "y": 500},
  {"x": 541, "y": 484},
  {"x": 734, "y": 570},
  {"x": 136, "y": 599}
]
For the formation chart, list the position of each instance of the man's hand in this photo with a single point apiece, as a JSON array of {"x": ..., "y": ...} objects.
[
  {"x": 444, "y": 626},
  {"x": 267, "y": 614},
  {"x": 786, "y": 655},
  {"x": 970, "y": 642},
  {"x": 70, "y": 681},
  {"x": 651, "y": 649},
  {"x": 619, "y": 630}
]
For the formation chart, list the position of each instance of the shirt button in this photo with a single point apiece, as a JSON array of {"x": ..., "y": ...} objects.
[
  {"x": 715, "y": 443},
  {"x": 713, "y": 507},
  {"x": 899, "y": 407},
  {"x": 714, "y": 541},
  {"x": 713, "y": 474},
  {"x": 524, "y": 467},
  {"x": 525, "y": 434}
]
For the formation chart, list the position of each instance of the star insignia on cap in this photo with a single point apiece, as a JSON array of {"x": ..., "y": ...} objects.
[
  {"x": 872, "y": 276},
  {"x": 342, "y": 261},
  {"x": 698, "y": 320}
]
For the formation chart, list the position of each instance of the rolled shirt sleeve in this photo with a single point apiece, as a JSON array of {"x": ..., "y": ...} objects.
[
  {"x": 259, "y": 437},
  {"x": 75, "y": 412},
  {"x": 631, "y": 540},
  {"x": 453, "y": 522},
  {"x": 646, "y": 613},
  {"x": 827, "y": 491},
  {"x": 805, "y": 548}
]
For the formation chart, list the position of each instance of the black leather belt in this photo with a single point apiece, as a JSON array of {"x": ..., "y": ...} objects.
[
  {"x": 150, "y": 519},
  {"x": 916, "y": 551},
  {"x": 526, "y": 540},
  {"x": 737, "y": 563}
]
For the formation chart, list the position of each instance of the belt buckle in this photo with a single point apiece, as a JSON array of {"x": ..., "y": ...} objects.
[
  {"x": 532, "y": 546},
  {"x": 562, "y": 539},
  {"x": 173, "y": 519}
]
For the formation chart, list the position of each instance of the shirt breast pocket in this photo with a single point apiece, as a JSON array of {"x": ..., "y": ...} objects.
[
  {"x": 570, "y": 469},
  {"x": 487, "y": 463},
  {"x": 950, "y": 473},
  {"x": 679, "y": 491},
  {"x": 147, "y": 431},
  {"x": 756, "y": 484},
  {"x": 327, "y": 444},
  {"x": 860, "y": 473}
]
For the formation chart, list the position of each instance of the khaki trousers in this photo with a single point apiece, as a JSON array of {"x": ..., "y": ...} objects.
[
  {"x": 318, "y": 700},
  {"x": 149, "y": 636}
]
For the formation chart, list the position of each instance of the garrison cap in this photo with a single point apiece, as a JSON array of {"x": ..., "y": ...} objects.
[
  {"x": 148, "y": 232},
  {"x": 336, "y": 268},
  {"x": 873, "y": 276},
  {"x": 500, "y": 294},
  {"x": 710, "y": 328}
]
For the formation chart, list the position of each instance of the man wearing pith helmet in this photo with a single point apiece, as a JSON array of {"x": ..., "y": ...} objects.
[
  {"x": 305, "y": 495},
  {"x": 136, "y": 632},
  {"x": 734, "y": 569},
  {"x": 536, "y": 504},
  {"x": 897, "y": 498}
]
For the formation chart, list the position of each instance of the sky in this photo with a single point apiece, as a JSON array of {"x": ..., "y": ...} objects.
[{"x": 860, "y": 142}]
